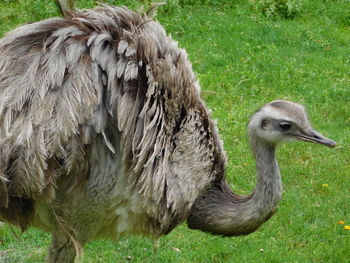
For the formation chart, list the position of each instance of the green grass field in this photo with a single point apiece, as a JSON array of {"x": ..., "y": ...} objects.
[{"x": 244, "y": 60}]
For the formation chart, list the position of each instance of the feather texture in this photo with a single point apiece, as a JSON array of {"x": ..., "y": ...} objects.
[{"x": 66, "y": 82}]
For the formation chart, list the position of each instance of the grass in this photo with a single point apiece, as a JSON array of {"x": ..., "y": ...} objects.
[{"x": 244, "y": 60}]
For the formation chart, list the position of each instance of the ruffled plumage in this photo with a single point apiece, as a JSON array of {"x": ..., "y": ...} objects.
[{"x": 65, "y": 81}]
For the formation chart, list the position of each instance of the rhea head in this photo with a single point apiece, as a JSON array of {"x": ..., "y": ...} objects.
[{"x": 280, "y": 121}]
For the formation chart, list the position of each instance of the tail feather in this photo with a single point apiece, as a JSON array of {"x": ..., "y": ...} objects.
[
  {"x": 66, "y": 7},
  {"x": 151, "y": 12}
]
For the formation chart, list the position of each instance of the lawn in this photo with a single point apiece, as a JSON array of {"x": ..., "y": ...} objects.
[{"x": 243, "y": 60}]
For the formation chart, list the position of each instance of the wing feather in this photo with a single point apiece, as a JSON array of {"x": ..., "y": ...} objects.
[{"x": 67, "y": 83}]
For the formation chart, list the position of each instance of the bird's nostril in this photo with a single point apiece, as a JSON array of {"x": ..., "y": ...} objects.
[{"x": 316, "y": 136}]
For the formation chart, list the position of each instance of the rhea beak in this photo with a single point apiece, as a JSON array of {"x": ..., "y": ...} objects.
[{"x": 315, "y": 137}]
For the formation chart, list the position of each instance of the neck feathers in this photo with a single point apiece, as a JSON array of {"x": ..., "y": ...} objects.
[{"x": 220, "y": 211}]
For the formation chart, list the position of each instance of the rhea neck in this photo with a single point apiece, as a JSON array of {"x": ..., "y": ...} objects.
[
  {"x": 220, "y": 211},
  {"x": 268, "y": 191}
]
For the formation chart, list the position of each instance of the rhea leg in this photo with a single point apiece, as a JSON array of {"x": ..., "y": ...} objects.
[{"x": 62, "y": 249}]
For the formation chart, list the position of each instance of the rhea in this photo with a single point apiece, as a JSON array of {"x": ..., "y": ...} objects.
[{"x": 103, "y": 132}]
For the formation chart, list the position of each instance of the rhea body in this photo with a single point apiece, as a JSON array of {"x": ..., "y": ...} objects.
[{"x": 103, "y": 133}]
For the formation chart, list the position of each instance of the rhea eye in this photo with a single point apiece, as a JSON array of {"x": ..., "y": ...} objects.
[{"x": 285, "y": 125}]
